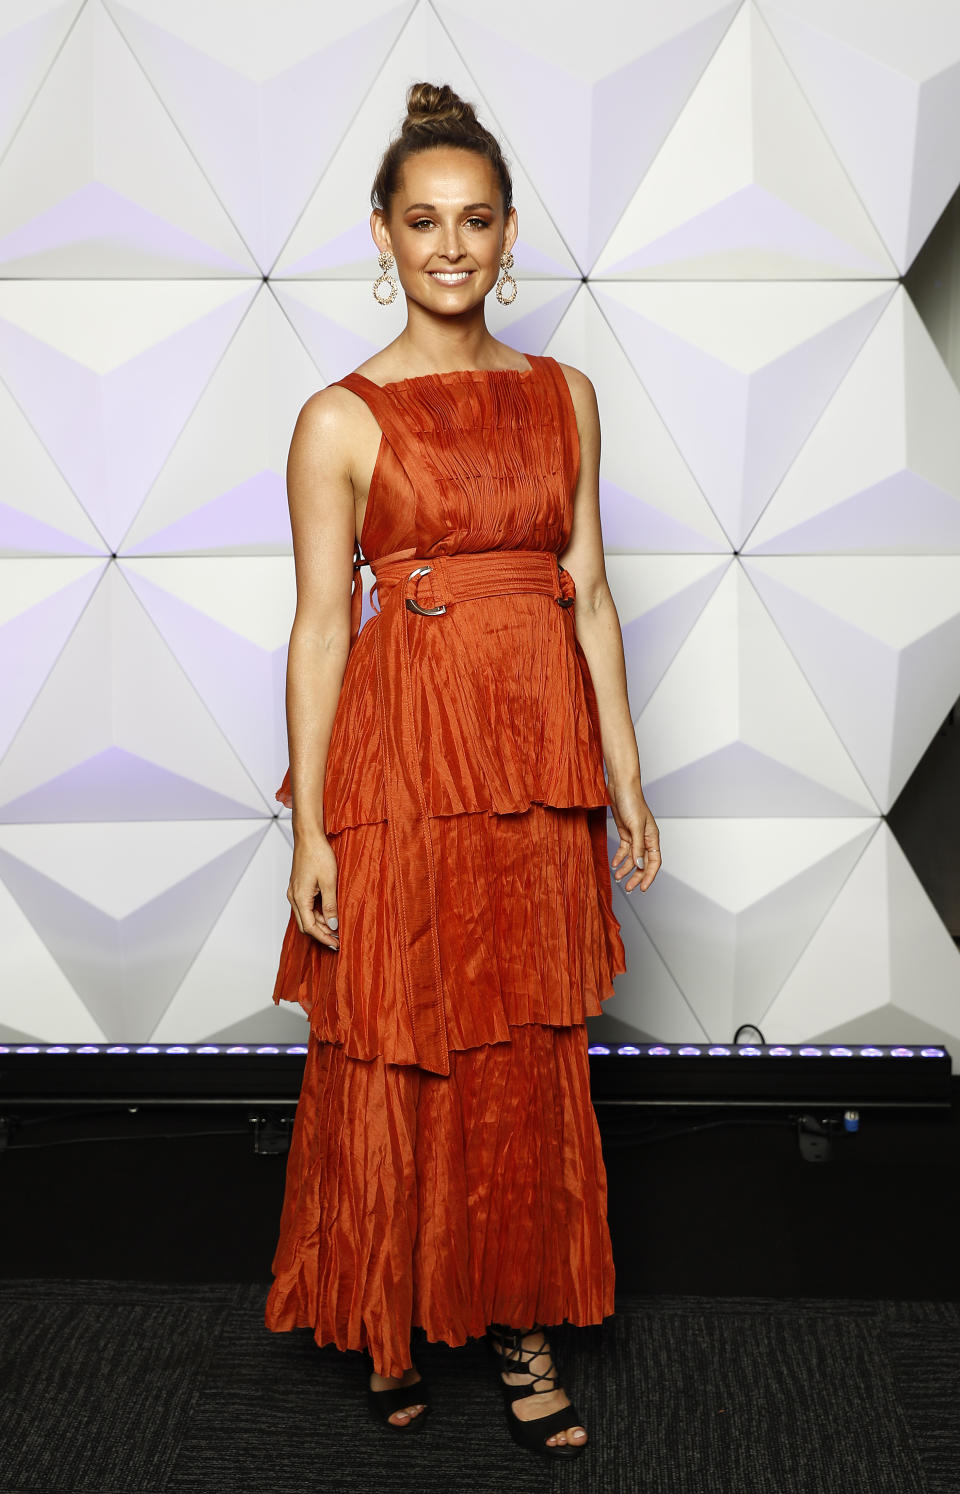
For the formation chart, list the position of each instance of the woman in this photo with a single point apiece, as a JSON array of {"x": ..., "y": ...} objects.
[{"x": 451, "y": 920}]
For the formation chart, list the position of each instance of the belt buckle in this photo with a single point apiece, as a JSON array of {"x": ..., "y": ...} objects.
[
  {"x": 415, "y": 606},
  {"x": 562, "y": 600}
]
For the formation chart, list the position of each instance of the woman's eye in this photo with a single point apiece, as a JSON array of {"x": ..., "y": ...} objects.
[{"x": 482, "y": 222}]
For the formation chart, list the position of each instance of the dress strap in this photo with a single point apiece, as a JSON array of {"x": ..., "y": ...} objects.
[
  {"x": 389, "y": 413},
  {"x": 568, "y": 416}
]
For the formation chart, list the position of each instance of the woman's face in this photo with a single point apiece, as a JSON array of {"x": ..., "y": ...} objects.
[{"x": 446, "y": 228}]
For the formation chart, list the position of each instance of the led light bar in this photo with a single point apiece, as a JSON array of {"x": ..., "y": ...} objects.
[
  {"x": 791, "y": 1074},
  {"x": 638, "y": 1074}
]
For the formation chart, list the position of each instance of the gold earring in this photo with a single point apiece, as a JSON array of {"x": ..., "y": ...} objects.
[
  {"x": 385, "y": 261},
  {"x": 506, "y": 264}
]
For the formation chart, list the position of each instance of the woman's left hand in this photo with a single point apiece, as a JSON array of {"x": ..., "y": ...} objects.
[{"x": 638, "y": 854}]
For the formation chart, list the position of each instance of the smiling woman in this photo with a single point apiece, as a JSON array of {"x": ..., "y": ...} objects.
[{"x": 451, "y": 921}]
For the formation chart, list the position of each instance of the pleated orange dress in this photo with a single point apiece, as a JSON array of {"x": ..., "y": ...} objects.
[{"x": 445, "y": 1168}]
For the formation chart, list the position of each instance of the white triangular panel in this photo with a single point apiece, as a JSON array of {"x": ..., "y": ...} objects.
[
  {"x": 885, "y": 82},
  {"x": 878, "y": 637},
  {"x": 31, "y": 33},
  {"x": 222, "y": 489},
  {"x": 123, "y": 908},
  {"x": 880, "y": 965},
  {"x": 333, "y": 237},
  {"x": 736, "y": 901},
  {"x": 658, "y": 599},
  {"x": 747, "y": 185},
  {"x": 741, "y": 373},
  {"x": 39, "y": 515},
  {"x": 233, "y": 973},
  {"x": 228, "y": 621},
  {"x": 649, "y": 500},
  {"x": 97, "y": 180},
  {"x": 108, "y": 372},
  {"x": 35, "y": 995},
  {"x": 141, "y": 743},
  {"x": 733, "y": 728},
  {"x": 880, "y": 472},
  {"x": 246, "y": 95},
  {"x": 40, "y": 602}
]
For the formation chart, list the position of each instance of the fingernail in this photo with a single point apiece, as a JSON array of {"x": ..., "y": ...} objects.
[{"x": 332, "y": 920}]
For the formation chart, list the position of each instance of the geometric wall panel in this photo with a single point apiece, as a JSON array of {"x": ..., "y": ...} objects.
[
  {"x": 122, "y": 908},
  {"x": 881, "y": 963},
  {"x": 587, "y": 89},
  {"x": 332, "y": 238},
  {"x": 261, "y": 100},
  {"x": 747, "y": 185},
  {"x": 40, "y": 601},
  {"x": 878, "y": 637},
  {"x": 649, "y": 499},
  {"x": 658, "y": 600},
  {"x": 108, "y": 372},
  {"x": 39, "y": 515},
  {"x": 733, "y": 728},
  {"x": 75, "y": 198},
  {"x": 141, "y": 744},
  {"x": 36, "y": 998},
  {"x": 885, "y": 82},
  {"x": 741, "y": 373},
  {"x": 30, "y": 36},
  {"x": 227, "y": 620},
  {"x": 221, "y": 489},
  {"x": 880, "y": 472},
  {"x": 646, "y": 1002},
  {"x": 738, "y": 900},
  {"x": 227, "y": 989}
]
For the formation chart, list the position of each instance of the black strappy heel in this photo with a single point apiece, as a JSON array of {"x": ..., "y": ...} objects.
[
  {"x": 383, "y": 1403},
  {"x": 506, "y": 1344}
]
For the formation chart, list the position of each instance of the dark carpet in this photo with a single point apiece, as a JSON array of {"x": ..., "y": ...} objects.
[{"x": 132, "y": 1388}]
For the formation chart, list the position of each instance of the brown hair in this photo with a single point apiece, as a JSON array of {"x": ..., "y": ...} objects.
[{"x": 437, "y": 116}]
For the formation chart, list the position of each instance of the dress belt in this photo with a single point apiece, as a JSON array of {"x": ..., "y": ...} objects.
[{"x": 415, "y": 591}]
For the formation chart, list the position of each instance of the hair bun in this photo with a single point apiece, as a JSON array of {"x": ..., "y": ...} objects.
[{"x": 428, "y": 103}]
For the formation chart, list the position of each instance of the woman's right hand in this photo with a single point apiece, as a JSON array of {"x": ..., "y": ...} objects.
[{"x": 312, "y": 893}]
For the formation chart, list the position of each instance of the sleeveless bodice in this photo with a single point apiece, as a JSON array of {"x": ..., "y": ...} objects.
[{"x": 472, "y": 461}]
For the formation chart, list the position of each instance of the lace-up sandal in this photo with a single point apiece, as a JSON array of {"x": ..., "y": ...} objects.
[
  {"x": 383, "y": 1403},
  {"x": 512, "y": 1358}
]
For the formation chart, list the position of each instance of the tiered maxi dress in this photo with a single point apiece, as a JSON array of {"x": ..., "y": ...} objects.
[{"x": 445, "y": 1167}]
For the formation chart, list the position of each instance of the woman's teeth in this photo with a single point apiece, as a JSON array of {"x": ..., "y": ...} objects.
[{"x": 450, "y": 278}]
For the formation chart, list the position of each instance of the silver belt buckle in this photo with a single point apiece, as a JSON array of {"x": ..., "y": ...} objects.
[{"x": 415, "y": 606}]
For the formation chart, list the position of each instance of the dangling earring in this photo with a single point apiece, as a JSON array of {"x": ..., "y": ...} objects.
[
  {"x": 506, "y": 264},
  {"x": 385, "y": 261}
]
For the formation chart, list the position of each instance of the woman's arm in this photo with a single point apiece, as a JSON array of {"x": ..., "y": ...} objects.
[
  {"x": 600, "y": 637},
  {"x": 322, "y": 519}
]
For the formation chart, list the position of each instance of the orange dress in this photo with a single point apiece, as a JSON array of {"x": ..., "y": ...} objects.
[{"x": 445, "y": 1167}]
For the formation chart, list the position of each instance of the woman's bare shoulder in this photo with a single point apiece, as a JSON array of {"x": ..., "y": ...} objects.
[
  {"x": 330, "y": 418},
  {"x": 580, "y": 386}
]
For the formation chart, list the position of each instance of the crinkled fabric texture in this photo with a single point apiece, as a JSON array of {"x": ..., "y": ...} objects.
[
  {"x": 445, "y": 1202},
  {"x": 450, "y": 1201},
  {"x": 526, "y": 938}
]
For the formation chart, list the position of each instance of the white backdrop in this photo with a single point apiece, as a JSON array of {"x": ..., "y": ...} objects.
[{"x": 716, "y": 205}]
